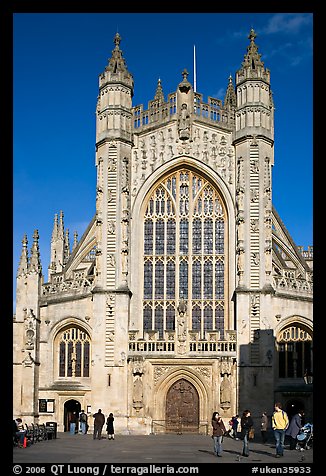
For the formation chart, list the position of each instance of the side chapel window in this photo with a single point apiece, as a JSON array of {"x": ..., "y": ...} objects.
[
  {"x": 294, "y": 345},
  {"x": 74, "y": 353},
  {"x": 184, "y": 254}
]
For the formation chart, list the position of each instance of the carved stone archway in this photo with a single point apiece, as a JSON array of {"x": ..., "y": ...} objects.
[{"x": 182, "y": 408}]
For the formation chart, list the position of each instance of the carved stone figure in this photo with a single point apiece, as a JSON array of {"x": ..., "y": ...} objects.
[
  {"x": 184, "y": 123},
  {"x": 225, "y": 391}
]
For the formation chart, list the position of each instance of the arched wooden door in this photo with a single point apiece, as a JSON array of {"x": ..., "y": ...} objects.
[{"x": 182, "y": 408}]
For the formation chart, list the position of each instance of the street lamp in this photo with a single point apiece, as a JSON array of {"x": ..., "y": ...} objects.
[{"x": 308, "y": 378}]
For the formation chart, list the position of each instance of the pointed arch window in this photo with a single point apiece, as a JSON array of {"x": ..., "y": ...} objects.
[
  {"x": 74, "y": 353},
  {"x": 294, "y": 345},
  {"x": 184, "y": 254}
]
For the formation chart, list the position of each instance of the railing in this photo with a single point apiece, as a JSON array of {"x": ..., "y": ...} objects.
[
  {"x": 292, "y": 285},
  {"x": 70, "y": 286},
  {"x": 161, "y": 426},
  {"x": 173, "y": 344},
  {"x": 211, "y": 112}
]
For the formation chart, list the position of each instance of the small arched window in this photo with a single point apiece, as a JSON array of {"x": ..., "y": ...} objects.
[
  {"x": 294, "y": 345},
  {"x": 74, "y": 353}
]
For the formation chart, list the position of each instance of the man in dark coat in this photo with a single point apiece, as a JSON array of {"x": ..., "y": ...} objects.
[
  {"x": 99, "y": 420},
  {"x": 294, "y": 428}
]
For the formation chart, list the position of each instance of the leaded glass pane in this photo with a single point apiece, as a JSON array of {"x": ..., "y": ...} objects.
[
  {"x": 184, "y": 225},
  {"x": 170, "y": 280},
  {"x": 159, "y": 280},
  {"x": 196, "y": 318},
  {"x": 171, "y": 241},
  {"x": 196, "y": 236},
  {"x": 219, "y": 319},
  {"x": 70, "y": 349},
  {"x": 62, "y": 357},
  {"x": 208, "y": 233},
  {"x": 183, "y": 283},
  {"x": 159, "y": 237},
  {"x": 208, "y": 280},
  {"x": 159, "y": 321},
  {"x": 148, "y": 280},
  {"x": 208, "y": 318},
  {"x": 148, "y": 237},
  {"x": 78, "y": 349},
  {"x": 219, "y": 237},
  {"x": 170, "y": 317},
  {"x": 147, "y": 318},
  {"x": 86, "y": 359},
  {"x": 219, "y": 280},
  {"x": 196, "y": 280}
]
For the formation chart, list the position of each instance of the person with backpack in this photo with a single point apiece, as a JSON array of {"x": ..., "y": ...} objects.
[
  {"x": 83, "y": 422},
  {"x": 234, "y": 423},
  {"x": 280, "y": 423}
]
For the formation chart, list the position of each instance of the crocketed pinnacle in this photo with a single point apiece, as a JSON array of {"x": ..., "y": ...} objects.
[
  {"x": 159, "y": 95},
  {"x": 23, "y": 262},
  {"x": 117, "y": 63},
  {"x": 252, "y": 57},
  {"x": 230, "y": 96},
  {"x": 35, "y": 261}
]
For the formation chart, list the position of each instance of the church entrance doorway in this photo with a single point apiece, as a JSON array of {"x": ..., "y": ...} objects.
[
  {"x": 70, "y": 407},
  {"x": 182, "y": 408}
]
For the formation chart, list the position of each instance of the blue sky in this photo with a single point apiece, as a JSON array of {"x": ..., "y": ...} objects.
[{"x": 57, "y": 58}]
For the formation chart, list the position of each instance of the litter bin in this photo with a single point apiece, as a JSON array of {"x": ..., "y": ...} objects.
[{"x": 51, "y": 427}]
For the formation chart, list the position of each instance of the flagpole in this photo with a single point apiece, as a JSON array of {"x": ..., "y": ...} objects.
[{"x": 195, "y": 79}]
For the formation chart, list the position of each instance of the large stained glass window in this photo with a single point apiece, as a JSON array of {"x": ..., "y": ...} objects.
[{"x": 184, "y": 254}]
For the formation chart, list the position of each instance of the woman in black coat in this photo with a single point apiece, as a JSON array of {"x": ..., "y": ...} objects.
[
  {"x": 110, "y": 427},
  {"x": 246, "y": 424}
]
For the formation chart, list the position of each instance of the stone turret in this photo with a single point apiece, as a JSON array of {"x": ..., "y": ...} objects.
[
  {"x": 255, "y": 110},
  {"x": 26, "y": 328}
]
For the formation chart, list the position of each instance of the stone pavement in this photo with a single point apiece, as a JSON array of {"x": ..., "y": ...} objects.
[{"x": 151, "y": 449}]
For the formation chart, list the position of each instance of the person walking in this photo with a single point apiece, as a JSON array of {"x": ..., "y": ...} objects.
[
  {"x": 280, "y": 423},
  {"x": 99, "y": 420},
  {"x": 73, "y": 423},
  {"x": 294, "y": 428},
  {"x": 218, "y": 431},
  {"x": 234, "y": 427},
  {"x": 264, "y": 427},
  {"x": 246, "y": 424},
  {"x": 110, "y": 426},
  {"x": 19, "y": 431},
  {"x": 83, "y": 422}
]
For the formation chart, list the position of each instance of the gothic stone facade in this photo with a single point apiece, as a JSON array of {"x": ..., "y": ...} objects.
[{"x": 186, "y": 293}]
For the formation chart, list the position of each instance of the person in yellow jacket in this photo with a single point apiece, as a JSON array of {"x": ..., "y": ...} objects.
[{"x": 280, "y": 423}]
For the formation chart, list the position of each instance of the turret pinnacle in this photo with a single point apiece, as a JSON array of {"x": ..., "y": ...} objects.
[
  {"x": 66, "y": 252},
  {"x": 252, "y": 66},
  {"x": 55, "y": 228},
  {"x": 58, "y": 242},
  {"x": 159, "y": 95},
  {"x": 23, "y": 263},
  {"x": 230, "y": 96},
  {"x": 35, "y": 262},
  {"x": 252, "y": 57},
  {"x": 75, "y": 243},
  {"x": 117, "y": 63}
]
